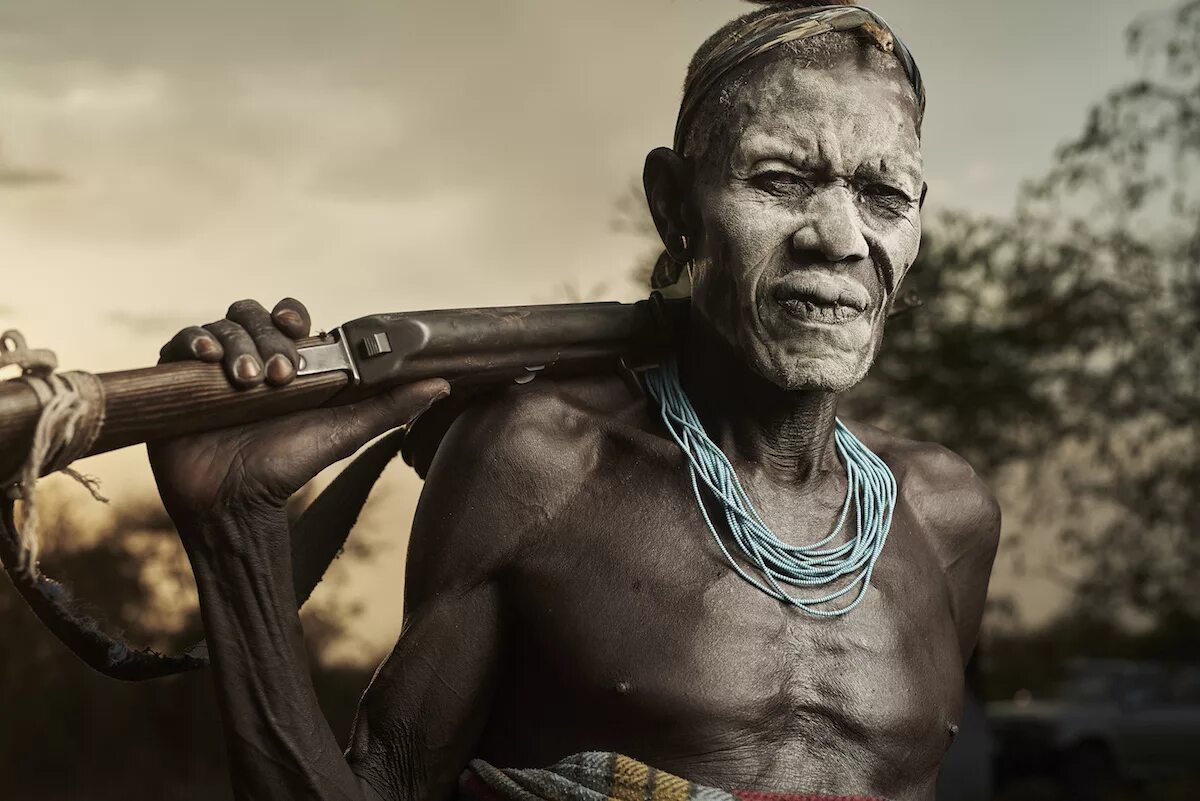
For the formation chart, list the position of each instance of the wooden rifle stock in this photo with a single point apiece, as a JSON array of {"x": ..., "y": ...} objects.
[{"x": 363, "y": 357}]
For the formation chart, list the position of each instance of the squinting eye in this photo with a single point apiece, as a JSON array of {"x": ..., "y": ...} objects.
[
  {"x": 886, "y": 198},
  {"x": 883, "y": 190},
  {"x": 780, "y": 181}
]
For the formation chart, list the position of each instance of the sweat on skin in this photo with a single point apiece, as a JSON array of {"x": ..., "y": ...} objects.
[{"x": 563, "y": 594}]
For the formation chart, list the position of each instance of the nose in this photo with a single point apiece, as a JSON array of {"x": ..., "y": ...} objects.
[{"x": 831, "y": 231}]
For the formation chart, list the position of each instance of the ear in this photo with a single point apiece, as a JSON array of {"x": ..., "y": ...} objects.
[
  {"x": 924, "y": 191},
  {"x": 668, "y": 183}
]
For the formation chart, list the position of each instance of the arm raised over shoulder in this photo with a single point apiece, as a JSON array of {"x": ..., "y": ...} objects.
[{"x": 225, "y": 491}]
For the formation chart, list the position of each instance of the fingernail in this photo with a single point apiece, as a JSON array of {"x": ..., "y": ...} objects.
[
  {"x": 204, "y": 346},
  {"x": 246, "y": 367},
  {"x": 279, "y": 368},
  {"x": 288, "y": 318}
]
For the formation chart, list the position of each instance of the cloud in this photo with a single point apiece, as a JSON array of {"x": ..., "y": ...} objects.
[
  {"x": 23, "y": 177},
  {"x": 148, "y": 324},
  {"x": 13, "y": 176}
]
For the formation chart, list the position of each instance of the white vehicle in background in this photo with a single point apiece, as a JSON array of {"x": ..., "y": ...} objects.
[{"x": 1110, "y": 722}]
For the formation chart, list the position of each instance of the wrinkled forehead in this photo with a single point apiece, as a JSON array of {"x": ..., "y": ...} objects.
[{"x": 836, "y": 118}]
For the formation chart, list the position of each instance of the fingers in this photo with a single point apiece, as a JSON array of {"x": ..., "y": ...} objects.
[
  {"x": 192, "y": 342},
  {"x": 243, "y": 366},
  {"x": 254, "y": 344},
  {"x": 276, "y": 351},
  {"x": 291, "y": 317},
  {"x": 359, "y": 423}
]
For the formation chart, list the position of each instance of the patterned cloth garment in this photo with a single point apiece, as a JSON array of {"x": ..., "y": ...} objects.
[{"x": 604, "y": 776}]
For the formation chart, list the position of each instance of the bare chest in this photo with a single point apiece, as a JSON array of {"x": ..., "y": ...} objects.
[{"x": 636, "y": 636}]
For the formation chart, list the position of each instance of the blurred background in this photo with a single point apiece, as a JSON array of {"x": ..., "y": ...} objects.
[{"x": 159, "y": 160}]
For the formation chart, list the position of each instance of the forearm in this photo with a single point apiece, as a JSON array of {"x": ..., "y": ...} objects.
[{"x": 279, "y": 743}]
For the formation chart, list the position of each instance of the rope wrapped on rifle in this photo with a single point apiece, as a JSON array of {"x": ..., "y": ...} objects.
[{"x": 72, "y": 416}]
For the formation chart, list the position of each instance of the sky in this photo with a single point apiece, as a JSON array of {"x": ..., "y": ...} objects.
[{"x": 160, "y": 159}]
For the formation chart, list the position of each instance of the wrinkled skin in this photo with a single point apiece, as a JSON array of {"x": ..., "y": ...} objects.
[
  {"x": 563, "y": 593},
  {"x": 809, "y": 222}
]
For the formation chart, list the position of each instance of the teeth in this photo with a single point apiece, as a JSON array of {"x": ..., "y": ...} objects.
[{"x": 819, "y": 312}]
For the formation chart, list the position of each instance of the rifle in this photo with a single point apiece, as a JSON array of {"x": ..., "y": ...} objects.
[
  {"x": 468, "y": 347},
  {"x": 476, "y": 350}
]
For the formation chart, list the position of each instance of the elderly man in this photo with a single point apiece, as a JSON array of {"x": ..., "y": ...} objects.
[{"x": 710, "y": 589}]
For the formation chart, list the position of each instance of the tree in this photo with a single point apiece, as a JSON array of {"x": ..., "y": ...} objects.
[{"x": 1129, "y": 182}]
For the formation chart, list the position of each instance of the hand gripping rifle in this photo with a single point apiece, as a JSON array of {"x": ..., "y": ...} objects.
[{"x": 47, "y": 420}]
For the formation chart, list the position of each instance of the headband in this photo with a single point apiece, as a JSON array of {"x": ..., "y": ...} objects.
[{"x": 760, "y": 35}]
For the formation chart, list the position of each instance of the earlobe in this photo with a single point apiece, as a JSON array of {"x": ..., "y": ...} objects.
[{"x": 667, "y": 182}]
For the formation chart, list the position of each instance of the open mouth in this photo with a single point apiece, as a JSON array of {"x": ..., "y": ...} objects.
[{"x": 819, "y": 297}]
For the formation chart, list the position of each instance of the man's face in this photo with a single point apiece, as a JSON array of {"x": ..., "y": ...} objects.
[{"x": 810, "y": 222}]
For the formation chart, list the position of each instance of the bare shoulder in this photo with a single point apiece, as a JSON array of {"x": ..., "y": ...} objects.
[
  {"x": 543, "y": 435},
  {"x": 510, "y": 463},
  {"x": 949, "y": 499}
]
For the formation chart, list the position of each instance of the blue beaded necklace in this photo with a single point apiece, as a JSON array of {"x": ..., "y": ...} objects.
[{"x": 870, "y": 485}]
